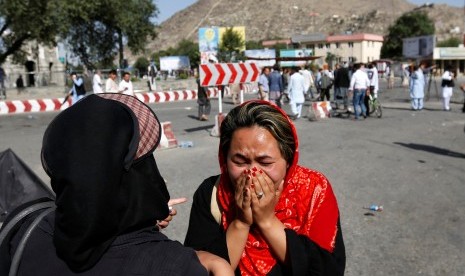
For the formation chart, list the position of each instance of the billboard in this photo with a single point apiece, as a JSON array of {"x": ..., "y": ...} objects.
[
  {"x": 209, "y": 39},
  {"x": 295, "y": 53},
  {"x": 269, "y": 54},
  {"x": 174, "y": 63},
  {"x": 418, "y": 47}
]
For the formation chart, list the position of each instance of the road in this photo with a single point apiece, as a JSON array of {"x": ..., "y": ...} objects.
[{"x": 410, "y": 162}]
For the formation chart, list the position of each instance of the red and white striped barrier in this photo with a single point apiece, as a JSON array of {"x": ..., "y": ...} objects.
[
  {"x": 322, "y": 109},
  {"x": 46, "y": 105},
  {"x": 167, "y": 140},
  {"x": 17, "y": 106}
]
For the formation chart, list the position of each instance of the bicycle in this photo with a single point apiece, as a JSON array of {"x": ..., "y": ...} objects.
[{"x": 375, "y": 107}]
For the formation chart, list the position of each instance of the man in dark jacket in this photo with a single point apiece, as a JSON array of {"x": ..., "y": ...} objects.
[{"x": 342, "y": 82}]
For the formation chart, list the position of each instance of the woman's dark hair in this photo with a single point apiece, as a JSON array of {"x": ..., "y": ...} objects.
[{"x": 263, "y": 115}]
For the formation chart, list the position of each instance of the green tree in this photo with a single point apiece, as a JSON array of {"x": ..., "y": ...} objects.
[
  {"x": 252, "y": 45},
  {"x": 100, "y": 28},
  {"x": 450, "y": 42},
  {"x": 142, "y": 65},
  {"x": 189, "y": 48},
  {"x": 231, "y": 45},
  {"x": 94, "y": 30},
  {"x": 408, "y": 25},
  {"x": 29, "y": 20}
]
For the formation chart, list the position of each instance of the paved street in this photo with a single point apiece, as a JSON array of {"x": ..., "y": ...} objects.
[{"x": 410, "y": 162}]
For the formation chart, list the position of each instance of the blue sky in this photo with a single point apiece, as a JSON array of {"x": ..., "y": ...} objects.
[{"x": 169, "y": 7}]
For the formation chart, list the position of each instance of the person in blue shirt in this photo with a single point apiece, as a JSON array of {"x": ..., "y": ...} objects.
[
  {"x": 276, "y": 86},
  {"x": 77, "y": 91}
]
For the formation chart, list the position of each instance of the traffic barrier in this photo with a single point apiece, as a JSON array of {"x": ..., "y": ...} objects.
[
  {"x": 321, "y": 109},
  {"x": 216, "y": 129},
  {"x": 167, "y": 140},
  {"x": 47, "y": 105},
  {"x": 25, "y": 106}
]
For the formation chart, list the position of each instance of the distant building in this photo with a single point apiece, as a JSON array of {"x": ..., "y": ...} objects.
[
  {"x": 454, "y": 56},
  {"x": 41, "y": 68},
  {"x": 345, "y": 47}
]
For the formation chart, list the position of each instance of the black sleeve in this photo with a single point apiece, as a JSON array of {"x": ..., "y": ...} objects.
[
  {"x": 307, "y": 258},
  {"x": 204, "y": 233}
]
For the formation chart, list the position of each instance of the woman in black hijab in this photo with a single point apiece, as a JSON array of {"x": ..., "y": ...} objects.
[{"x": 109, "y": 194}]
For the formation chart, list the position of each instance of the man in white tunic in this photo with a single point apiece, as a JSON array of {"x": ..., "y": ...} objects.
[{"x": 296, "y": 90}]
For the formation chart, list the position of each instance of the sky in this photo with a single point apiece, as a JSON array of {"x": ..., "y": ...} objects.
[{"x": 169, "y": 7}]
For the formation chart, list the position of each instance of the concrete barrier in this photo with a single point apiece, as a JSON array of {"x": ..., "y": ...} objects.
[{"x": 168, "y": 139}]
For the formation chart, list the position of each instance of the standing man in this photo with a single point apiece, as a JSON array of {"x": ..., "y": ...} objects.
[
  {"x": 97, "y": 82},
  {"x": 326, "y": 83},
  {"x": 359, "y": 84},
  {"x": 342, "y": 81},
  {"x": 417, "y": 87},
  {"x": 125, "y": 85},
  {"x": 111, "y": 86},
  {"x": 276, "y": 85},
  {"x": 374, "y": 85},
  {"x": 263, "y": 84},
  {"x": 77, "y": 91},
  {"x": 447, "y": 85},
  {"x": 308, "y": 80},
  {"x": 203, "y": 101},
  {"x": 296, "y": 93},
  {"x": 20, "y": 84},
  {"x": 2, "y": 83}
]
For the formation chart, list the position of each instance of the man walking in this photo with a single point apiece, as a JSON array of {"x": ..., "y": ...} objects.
[
  {"x": 296, "y": 93},
  {"x": 276, "y": 85},
  {"x": 263, "y": 84},
  {"x": 77, "y": 91}
]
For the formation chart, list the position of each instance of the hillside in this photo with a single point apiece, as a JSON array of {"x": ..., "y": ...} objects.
[{"x": 272, "y": 19}]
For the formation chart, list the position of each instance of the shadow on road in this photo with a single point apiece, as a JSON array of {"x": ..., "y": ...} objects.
[
  {"x": 199, "y": 128},
  {"x": 432, "y": 149}
]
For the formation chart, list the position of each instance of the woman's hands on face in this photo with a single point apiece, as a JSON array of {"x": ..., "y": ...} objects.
[
  {"x": 243, "y": 199},
  {"x": 265, "y": 196}
]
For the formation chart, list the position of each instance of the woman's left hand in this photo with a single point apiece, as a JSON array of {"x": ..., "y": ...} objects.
[{"x": 263, "y": 205}]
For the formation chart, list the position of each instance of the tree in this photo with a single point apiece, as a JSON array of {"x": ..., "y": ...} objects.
[
  {"x": 252, "y": 45},
  {"x": 189, "y": 48},
  {"x": 95, "y": 30},
  {"x": 410, "y": 24},
  {"x": 450, "y": 42},
  {"x": 142, "y": 65},
  {"x": 99, "y": 28},
  {"x": 231, "y": 45},
  {"x": 29, "y": 20}
]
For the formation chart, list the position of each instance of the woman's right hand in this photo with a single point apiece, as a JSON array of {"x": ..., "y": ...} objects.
[{"x": 243, "y": 199}]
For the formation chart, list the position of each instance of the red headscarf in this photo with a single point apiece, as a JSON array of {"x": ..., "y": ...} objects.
[{"x": 307, "y": 205}]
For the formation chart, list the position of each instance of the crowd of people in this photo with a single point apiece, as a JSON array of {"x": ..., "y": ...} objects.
[
  {"x": 296, "y": 84},
  {"x": 357, "y": 83},
  {"x": 78, "y": 88}
]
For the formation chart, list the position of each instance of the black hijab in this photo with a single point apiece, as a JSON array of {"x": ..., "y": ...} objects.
[{"x": 99, "y": 156}]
